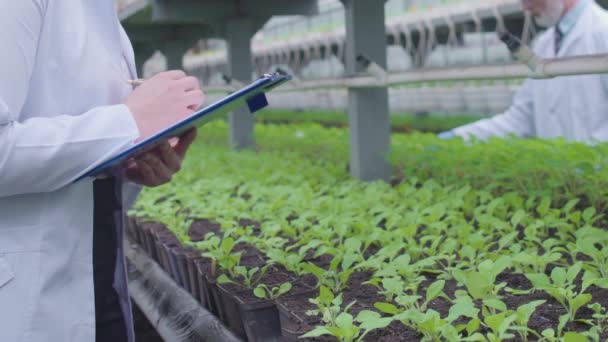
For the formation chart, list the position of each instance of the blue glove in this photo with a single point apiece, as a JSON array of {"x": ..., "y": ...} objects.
[{"x": 446, "y": 135}]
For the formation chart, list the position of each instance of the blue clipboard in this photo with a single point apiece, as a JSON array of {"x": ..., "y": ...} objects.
[{"x": 253, "y": 95}]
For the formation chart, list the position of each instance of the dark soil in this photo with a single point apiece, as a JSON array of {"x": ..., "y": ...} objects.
[
  {"x": 323, "y": 261},
  {"x": 252, "y": 260},
  {"x": 396, "y": 332},
  {"x": 298, "y": 305},
  {"x": 250, "y": 223},
  {"x": 364, "y": 295},
  {"x": 248, "y": 250},
  {"x": 199, "y": 229}
]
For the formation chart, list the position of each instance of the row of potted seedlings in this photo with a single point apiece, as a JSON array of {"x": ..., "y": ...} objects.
[{"x": 258, "y": 301}]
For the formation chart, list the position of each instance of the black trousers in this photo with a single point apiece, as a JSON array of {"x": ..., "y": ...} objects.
[{"x": 110, "y": 323}]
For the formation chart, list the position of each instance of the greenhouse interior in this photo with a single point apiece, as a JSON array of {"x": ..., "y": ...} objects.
[
  {"x": 338, "y": 213},
  {"x": 417, "y": 170}
]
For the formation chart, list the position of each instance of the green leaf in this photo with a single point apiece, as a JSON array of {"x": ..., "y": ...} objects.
[
  {"x": 543, "y": 207},
  {"x": 434, "y": 290},
  {"x": 463, "y": 307},
  {"x": 314, "y": 270},
  {"x": 473, "y": 326},
  {"x": 371, "y": 320},
  {"x": 548, "y": 333},
  {"x": 227, "y": 245},
  {"x": 588, "y": 214},
  {"x": 558, "y": 276},
  {"x": 259, "y": 292},
  {"x": 284, "y": 288},
  {"x": 344, "y": 321},
  {"x": 573, "y": 272},
  {"x": 563, "y": 320},
  {"x": 579, "y": 301},
  {"x": 518, "y": 218},
  {"x": 223, "y": 279},
  {"x": 524, "y": 312},
  {"x": 495, "y": 304},
  {"x": 367, "y": 315},
  {"x": 388, "y": 308},
  {"x": 495, "y": 321},
  {"x": 570, "y": 205},
  {"x": 349, "y": 259},
  {"x": 575, "y": 337},
  {"x": 352, "y": 244},
  {"x": 316, "y": 332},
  {"x": 476, "y": 284},
  {"x": 600, "y": 282},
  {"x": 500, "y": 266},
  {"x": 325, "y": 295},
  {"x": 539, "y": 280},
  {"x": 393, "y": 285}
]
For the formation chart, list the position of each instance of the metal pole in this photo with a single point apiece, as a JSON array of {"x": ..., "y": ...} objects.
[
  {"x": 174, "y": 51},
  {"x": 548, "y": 68},
  {"x": 367, "y": 106},
  {"x": 238, "y": 35}
]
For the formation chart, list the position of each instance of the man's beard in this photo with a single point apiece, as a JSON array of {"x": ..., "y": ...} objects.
[{"x": 551, "y": 14}]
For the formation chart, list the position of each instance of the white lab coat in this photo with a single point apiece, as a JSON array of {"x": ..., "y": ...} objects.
[
  {"x": 63, "y": 67},
  {"x": 573, "y": 107}
]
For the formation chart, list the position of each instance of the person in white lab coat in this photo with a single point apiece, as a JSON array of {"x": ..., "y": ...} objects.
[
  {"x": 64, "y": 106},
  {"x": 573, "y": 107}
]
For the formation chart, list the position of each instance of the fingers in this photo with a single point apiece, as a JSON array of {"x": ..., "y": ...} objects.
[
  {"x": 141, "y": 173},
  {"x": 162, "y": 171},
  {"x": 158, "y": 167},
  {"x": 169, "y": 157},
  {"x": 188, "y": 83},
  {"x": 150, "y": 171},
  {"x": 184, "y": 142},
  {"x": 194, "y": 99}
]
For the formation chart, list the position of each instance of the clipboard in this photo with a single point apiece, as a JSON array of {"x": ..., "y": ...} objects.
[{"x": 253, "y": 95}]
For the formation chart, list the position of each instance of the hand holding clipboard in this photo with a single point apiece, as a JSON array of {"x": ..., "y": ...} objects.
[{"x": 252, "y": 95}]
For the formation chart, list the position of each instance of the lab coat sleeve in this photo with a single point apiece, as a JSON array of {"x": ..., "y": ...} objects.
[
  {"x": 518, "y": 119},
  {"x": 43, "y": 154}
]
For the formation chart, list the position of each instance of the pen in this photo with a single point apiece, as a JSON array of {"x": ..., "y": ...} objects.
[{"x": 136, "y": 82}]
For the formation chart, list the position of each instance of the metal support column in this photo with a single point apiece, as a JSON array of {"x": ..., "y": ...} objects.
[
  {"x": 239, "y": 32},
  {"x": 367, "y": 107}
]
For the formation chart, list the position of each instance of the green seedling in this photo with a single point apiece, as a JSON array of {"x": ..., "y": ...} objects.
[
  {"x": 291, "y": 261},
  {"x": 336, "y": 280},
  {"x": 481, "y": 285},
  {"x": 430, "y": 325},
  {"x": 561, "y": 286},
  {"x": 249, "y": 277},
  {"x": 347, "y": 329},
  {"x": 500, "y": 325},
  {"x": 530, "y": 262},
  {"x": 593, "y": 245},
  {"x": 403, "y": 268},
  {"x": 394, "y": 289},
  {"x": 263, "y": 291},
  {"x": 220, "y": 252},
  {"x": 522, "y": 316},
  {"x": 328, "y": 306}
]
